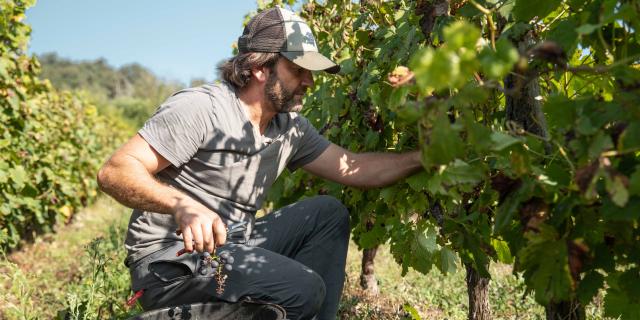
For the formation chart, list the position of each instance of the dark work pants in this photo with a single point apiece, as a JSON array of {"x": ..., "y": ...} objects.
[{"x": 295, "y": 258}]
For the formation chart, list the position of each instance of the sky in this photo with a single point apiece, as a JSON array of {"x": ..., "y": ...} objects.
[{"x": 177, "y": 40}]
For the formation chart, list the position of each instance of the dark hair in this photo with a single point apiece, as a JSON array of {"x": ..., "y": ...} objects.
[{"x": 237, "y": 70}]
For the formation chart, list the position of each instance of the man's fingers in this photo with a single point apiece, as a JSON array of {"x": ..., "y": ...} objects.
[
  {"x": 219, "y": 231},
  {"x": 201, "y": 230},
  {"x": 188, "y": 240},
  {"x": 207, "y": 237},
  {"x": 196, "y": 230}
]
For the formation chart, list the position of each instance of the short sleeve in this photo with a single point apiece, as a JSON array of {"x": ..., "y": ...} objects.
[
  {"x": 311, "y": 144},
  {"x": 178, "y": 128}
]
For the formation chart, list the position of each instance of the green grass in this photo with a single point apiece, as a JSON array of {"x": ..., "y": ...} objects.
[
  {"x": 433, "y": 296},
  {"x": 437, "y": 296},
  {"x": 78, "y": 273}
]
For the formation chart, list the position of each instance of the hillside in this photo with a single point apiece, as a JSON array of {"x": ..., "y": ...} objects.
[{"x": 132, "y": 91}]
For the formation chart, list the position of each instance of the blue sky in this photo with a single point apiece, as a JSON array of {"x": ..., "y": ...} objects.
[{"x": 177, "y": 40}]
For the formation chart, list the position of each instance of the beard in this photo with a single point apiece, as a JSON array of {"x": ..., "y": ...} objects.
[{"x": 282, "y": 99}]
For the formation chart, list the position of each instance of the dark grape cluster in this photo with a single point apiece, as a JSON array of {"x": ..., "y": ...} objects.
[{"x": 224, "y": 260}]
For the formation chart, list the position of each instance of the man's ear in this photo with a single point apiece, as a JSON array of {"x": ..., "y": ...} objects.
[{"x": 261, "y": 74}]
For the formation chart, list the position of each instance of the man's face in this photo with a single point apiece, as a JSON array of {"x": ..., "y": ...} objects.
[{"x": 286, "y": 86}]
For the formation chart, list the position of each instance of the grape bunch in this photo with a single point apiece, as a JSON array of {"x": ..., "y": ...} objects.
[{"x": 217, "y": 262}]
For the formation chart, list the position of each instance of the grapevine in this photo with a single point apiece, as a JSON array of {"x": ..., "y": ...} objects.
[
  {"x": 51, "y": 142},
  {"x": 527, "y": 117}
]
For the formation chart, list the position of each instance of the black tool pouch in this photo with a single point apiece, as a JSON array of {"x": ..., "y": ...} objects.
[{"x": 163, "y": 267}]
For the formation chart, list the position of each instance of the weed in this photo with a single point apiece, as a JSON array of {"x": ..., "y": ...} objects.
[
  {"x": 17, "y": 292},
  {"x": 102, "y": 293}
]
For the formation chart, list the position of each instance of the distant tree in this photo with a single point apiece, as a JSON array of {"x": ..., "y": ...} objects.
[
  {"x": 197, "y": 82},
  {"x": 131, "y": 91}
]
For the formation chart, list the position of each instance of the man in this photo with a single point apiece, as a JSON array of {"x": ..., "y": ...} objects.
[{"x": 204, "y": 162}]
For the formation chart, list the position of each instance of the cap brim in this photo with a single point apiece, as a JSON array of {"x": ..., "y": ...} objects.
[{"x": 311, "y": 60}]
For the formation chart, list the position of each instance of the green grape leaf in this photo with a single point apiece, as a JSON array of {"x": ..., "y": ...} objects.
[
  {"x": 634, "y": 182},
  {"x": 497, "y": 64},
  {"x": 4, "y": 143},
  {"x": 560, "y": 112},
  {"x": 502, "y": 140},
  {"x": 589, "y": 286},
  {"x": 475, "y": 254},
  {"x": 585, "y": 126},
  {"x": 447, "y": 261},
  {"x": 558, "y": 173},
  {"x": 587, "y": 28},
  {"x": 503, "y": 253},
  {"x": 5, "y": 66},
  {"x": 434, "y": 69},
  {"x": 629, "y": 139},
  {"x": 509, "y": 206},
  {"x": 423, "y": 247},
  {"x": 434, "y": 185},
  {"x": 601, "y": 142},
  {"x": 469, "y": 10},
  {"x": 617, "y": 190},
  {"x": 427, "y": 239},
  {"x": 445, "y": 146},
  {"x": 373, "y": 237},
  {"x": 470, "y": 94},
  {"x": 418, "y": 181},
  {"x": 409, "y": 113},
  {"x": 576, "y": 3},
  {"x": 479, "y": 136},
  {"x": 461, "y": 172},
  {"x": 347, "y": 66},
  {"x": 629, "y": 280},
  {"x": 614, "y": 212},
  {"x": 565, "y": 35},
  {"x": 388, "y": 193},
  {"x": 623, "y": 297},
  {"x": 19, "y": 176},
  {"x": 398, "y": 97},
  {"x": 545, "y": 262},
  {"x": 525, "y": 10},
  {"x": 505, "y": 8},
  {"x": 371, "y": 139},
  {"x": 461, "y": 34},
  {"x": 363, "y": 37},
  {"x": 418, "y": 202},
  {"x": 516, "y": 31},
  {"x": 449, "y": 66}
]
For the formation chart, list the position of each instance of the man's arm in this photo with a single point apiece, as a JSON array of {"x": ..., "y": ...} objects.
[
  {"x": 128, "y": 176},
  {"x": 364, "y": 170}
]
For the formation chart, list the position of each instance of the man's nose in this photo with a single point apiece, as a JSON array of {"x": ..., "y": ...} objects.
[{"x": 307, "y": 79}]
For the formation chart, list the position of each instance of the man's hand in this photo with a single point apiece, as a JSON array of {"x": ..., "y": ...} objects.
[{"x": 201, "y": 228}]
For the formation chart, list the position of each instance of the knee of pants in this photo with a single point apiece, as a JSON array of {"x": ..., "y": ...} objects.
[
  {"x": 332, "y": 207},
  {"x": 307, "y": 298}
]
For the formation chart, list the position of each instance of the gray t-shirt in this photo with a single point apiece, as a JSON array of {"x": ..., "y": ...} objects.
[{"x": 219, "y": 158}]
